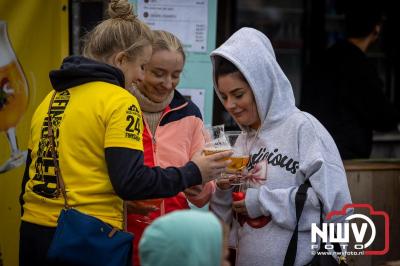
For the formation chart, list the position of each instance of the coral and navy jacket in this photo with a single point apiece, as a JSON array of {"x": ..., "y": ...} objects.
[{"x": 177, "y": 137}]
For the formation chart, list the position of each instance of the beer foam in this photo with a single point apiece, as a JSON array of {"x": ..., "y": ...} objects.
[{"x": 221, "y": 144}]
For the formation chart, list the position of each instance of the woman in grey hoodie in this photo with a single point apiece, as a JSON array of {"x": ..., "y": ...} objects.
[{"x": 293, "y": 144}]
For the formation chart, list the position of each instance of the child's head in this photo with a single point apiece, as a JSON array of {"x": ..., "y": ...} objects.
[
  {"x": 122, "y": 41},
  {"x": 186, "y": 237}
]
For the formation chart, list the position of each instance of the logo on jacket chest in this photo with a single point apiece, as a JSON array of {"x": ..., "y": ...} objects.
[
  {"x": 133, "y": 117},
  {"x": 274, "y": 158}
]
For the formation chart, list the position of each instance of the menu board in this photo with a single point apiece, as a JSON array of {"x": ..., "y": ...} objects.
[{"x": 188, "y": 20}]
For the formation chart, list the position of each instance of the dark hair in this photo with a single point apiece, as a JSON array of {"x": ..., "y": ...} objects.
[
  {"x": 361, "y": 16},
  {"x": 225, "y": 67}
]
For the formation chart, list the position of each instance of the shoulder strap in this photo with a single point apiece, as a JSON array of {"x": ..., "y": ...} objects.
[
  {"x": 300, "y": 199},
  {"x": 50, "y": 134}
]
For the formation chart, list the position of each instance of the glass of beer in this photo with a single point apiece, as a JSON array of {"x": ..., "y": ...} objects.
[
  {"x": 146, "y": 209},
  {"x": 239, "y": 158},
  {"x": 215, "y": 140}
]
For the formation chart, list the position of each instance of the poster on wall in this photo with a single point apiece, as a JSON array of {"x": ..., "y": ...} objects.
[
  {"x": 196, "y": 96},
  {"x": 188, "y": 20},
  {"x": 194, "y": 22},
  {"x": 33, "y": 41},
  {"x": 14, "y": 97}
]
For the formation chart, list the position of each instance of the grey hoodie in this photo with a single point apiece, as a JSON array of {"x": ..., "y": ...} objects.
[{"x": 296, "y": 147}]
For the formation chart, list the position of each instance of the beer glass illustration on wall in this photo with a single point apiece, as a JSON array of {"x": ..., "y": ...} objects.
[{"x": 13, "y": 99}]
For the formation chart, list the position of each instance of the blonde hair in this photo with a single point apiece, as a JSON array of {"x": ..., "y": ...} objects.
[
  {"x": 164, "y": 40},
  {"x": 122, "y": 32}
]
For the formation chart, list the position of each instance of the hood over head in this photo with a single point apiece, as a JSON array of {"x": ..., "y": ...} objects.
[
  {"x": 77, "y": 70},
  {"x": 252, "y": 53},
  {"x": 187, "y": 237}
]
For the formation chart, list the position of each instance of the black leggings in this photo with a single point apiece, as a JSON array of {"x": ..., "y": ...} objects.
[{"x": 34, "y": 241}]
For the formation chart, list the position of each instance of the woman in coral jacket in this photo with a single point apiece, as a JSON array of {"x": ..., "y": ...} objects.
[{"x": 173, "y": 127}]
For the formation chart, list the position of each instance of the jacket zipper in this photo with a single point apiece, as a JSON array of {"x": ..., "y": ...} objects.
[
  {"x": 158, "y": 124},
  {"x": 154, "y": 144}
]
